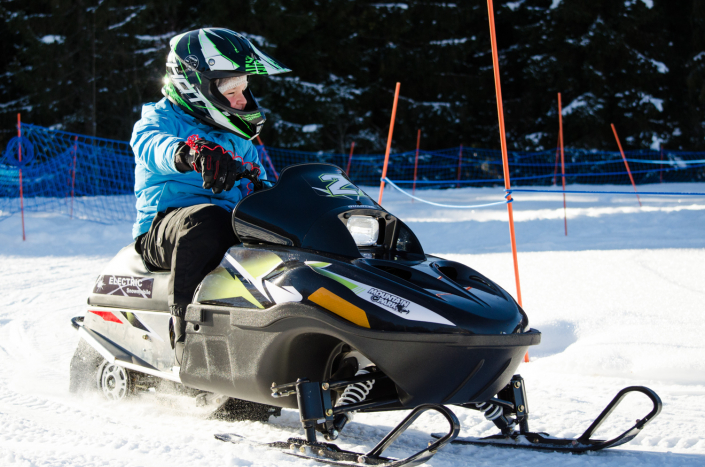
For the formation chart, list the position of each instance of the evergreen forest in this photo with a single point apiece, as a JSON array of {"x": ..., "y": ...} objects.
[{"x": 87, "y": 66}]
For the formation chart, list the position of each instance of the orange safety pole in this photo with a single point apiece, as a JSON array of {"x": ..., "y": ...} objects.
[
  {"x": 73, "y": 173},
  {"x": 614, "y": 130},
  {"x": 460, "y": 162},
  {"x": 505, "y": 157},
  {"x": 389, "y": 144},
  {"x": 352, "y": 147},
  {"x": 416, "y": 161},
  {"x": 558, "y": 153},
  {"x": 267, "y": 158},
  {"x": 19, "y": 160},
  {"x": 560, "y": 138}
]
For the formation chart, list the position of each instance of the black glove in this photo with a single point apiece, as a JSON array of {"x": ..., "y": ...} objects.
[{"x": 218, "y": 169}]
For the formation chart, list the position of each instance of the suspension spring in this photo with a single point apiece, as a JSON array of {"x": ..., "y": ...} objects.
[
  {"x": 356, "y": 392},
  {"x": 491, "y": 411}
]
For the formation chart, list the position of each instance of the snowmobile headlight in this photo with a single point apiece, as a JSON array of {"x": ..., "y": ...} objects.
[{"x": 364, "y": 230}]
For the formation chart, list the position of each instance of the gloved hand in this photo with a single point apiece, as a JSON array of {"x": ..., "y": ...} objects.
[{"x": 218, "y": 169}]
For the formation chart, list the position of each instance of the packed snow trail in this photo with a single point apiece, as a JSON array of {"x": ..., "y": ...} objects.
[{"x": 619, "y": 302}]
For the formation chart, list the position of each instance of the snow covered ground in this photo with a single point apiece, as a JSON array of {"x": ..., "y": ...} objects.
[{"x": 620, "y": 302}]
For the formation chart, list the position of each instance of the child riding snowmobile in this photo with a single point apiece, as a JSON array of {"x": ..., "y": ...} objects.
[
  {"x": 187, "y": 185},
  {"x": 330, "y": 306}
]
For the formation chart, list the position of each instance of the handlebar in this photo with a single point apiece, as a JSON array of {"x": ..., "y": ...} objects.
[{"x": 252, "y": 176}]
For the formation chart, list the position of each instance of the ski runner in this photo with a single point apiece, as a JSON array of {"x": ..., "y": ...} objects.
[{"x": 195, "y": 160}]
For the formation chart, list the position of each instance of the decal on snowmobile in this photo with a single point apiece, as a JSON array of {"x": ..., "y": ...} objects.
[
  {"x": 382, "y": 298},
  {"x": 253, "y": 266},
  {"x": 126, "y": 286},
  {"x": 388, "y": 301},
  {"x": 283, "y": 294},
  {"x": 143, "y": 320},
  {"x": 107, "y": 316},
  {"x": 340, "y": 307},
  {"x": 224, "y": 285},
  {"x": 134, "y": 320},
  {"x": 154, "y": 323},
  {"x": 338, "y": 186},
  {"x": 242, "y": 282}
]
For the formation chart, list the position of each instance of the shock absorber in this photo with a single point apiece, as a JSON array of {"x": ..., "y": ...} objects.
[
  {"x": 491, "y": 411},
  {"x": 354, "y": 393},
  {"x": 495, "y": 414}
]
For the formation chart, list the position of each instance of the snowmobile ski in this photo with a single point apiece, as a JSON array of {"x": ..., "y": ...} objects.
[
  {"x": 329, "y": 453},
  {"x": 525, "y": 439}
]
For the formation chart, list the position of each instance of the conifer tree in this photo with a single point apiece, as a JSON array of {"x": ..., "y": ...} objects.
[{"x": 88, "y": 66}]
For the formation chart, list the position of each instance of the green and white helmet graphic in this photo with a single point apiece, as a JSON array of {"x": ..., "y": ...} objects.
[{"x": 198, "y": 59}]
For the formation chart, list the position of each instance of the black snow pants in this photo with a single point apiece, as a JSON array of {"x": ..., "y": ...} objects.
[{"x": 190, "y": 241}]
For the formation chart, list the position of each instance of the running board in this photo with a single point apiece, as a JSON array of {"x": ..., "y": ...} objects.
[{"x": 114, "y": 354}]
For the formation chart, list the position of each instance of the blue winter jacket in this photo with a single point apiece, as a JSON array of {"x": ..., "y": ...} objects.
[{"x": 158, "y": 185}]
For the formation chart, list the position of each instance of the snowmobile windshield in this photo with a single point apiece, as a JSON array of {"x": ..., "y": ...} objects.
[{"x": 316, "y": 206}]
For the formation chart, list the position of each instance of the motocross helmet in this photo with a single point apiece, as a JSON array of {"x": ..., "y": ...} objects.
[{"x": 198, "y": 59}]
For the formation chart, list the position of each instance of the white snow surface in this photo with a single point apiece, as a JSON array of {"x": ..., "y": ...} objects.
[
  {"x": 619, "y": 301},
  {"x": 50, "y": 39}
]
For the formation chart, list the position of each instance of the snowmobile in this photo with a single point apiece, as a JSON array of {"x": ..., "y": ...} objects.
[{"x": 329, "y": 306}]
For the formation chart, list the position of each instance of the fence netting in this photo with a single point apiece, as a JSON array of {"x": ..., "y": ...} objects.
[{"x": 93, "y": 178}]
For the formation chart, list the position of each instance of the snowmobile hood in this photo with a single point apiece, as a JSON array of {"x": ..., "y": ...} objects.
[
  {"x": 302, "y": 221},
  {"x": 429, "y": 295}
]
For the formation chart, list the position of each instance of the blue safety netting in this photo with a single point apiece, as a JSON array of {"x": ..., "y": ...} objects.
[
  {"x": 56, "y": 165},
  {"x": 93, "y": 178},
  {"x": 459, "y": 167}
]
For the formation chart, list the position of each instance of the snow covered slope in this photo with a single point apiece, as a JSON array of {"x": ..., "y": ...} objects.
[{"x": 619, "y": 302}]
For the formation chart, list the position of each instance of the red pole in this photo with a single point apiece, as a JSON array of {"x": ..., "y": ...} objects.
[
  {"x": 661, "y": 171},
  {"x": 352, "y": 147},
  {"x": 19, "y": 160},
  {"x": 389, "y": 143},
  {"x": 266, "y": 157},
  {"x": 416, "y": 161},
  {"x": 558, "y": 152},
  {"x": 460, "y": 161},
  {"x": 614, "y": 130},
  {"x": 505, "y": 157},
  {"x": 560, "y": 139},
  {"x": 73, "y": 173}
]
